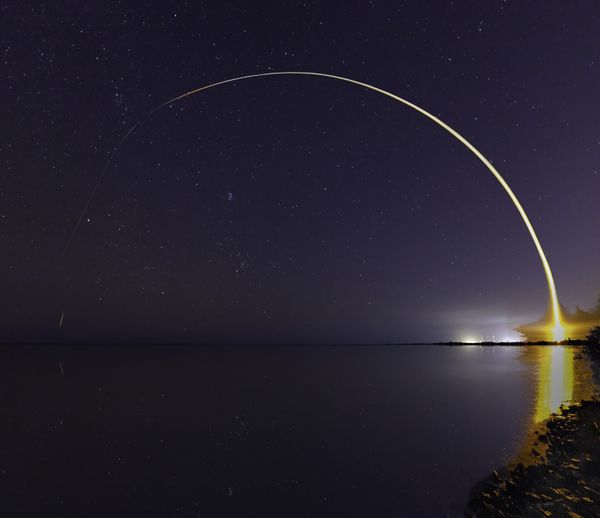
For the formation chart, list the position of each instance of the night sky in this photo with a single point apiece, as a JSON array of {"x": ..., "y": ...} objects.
[{"x": 295, "y": 209}]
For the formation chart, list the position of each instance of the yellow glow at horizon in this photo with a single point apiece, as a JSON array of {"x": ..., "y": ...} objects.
[{"x": 555, "y": 383}]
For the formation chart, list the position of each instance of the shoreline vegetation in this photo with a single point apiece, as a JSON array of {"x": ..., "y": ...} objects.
[
  {"x": 510, "y": 344},
  {"x": 562, "y": 475}
]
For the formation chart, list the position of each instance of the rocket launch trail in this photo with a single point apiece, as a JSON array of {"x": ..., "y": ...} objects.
[{"x": 557, "y": 329}]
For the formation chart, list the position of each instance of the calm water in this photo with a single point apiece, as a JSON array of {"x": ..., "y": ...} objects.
[{"x": 283, "y": 432}]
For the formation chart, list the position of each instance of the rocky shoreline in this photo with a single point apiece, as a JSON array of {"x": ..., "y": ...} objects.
[{"x": 563, "y": 480}]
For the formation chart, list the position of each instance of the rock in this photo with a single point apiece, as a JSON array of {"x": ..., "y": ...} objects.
[{"x": 564, "y": 483}]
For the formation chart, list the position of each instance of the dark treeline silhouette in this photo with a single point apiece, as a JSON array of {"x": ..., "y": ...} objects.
[{"x": 593, "y": 337}]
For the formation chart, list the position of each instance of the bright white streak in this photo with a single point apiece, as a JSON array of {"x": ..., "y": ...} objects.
[{"x": 557, "y": 324}]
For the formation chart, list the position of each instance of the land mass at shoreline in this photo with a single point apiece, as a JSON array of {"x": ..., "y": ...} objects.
[
  {"x": 564, "y": 477},
  {"x": 71, "y": 343},
  {"x": 515, "y": 343}
]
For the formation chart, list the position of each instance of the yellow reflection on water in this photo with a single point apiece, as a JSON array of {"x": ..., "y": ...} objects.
[
  {"x": 560, "y": 375},
  {"x": 555, "y": 384}
]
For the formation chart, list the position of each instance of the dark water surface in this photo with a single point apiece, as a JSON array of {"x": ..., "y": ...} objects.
[{"x": 264, "y": 431}]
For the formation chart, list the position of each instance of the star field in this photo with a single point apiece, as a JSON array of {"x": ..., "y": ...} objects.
[{"x": 295, "y": 209}]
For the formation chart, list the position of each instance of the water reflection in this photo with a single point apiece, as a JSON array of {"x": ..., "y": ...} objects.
[
  {"x": 555, "y": 380},
  {"x": 561, "y": 375}
]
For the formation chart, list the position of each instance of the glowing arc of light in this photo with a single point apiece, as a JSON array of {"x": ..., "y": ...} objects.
[{"x": 557, "y": 327}]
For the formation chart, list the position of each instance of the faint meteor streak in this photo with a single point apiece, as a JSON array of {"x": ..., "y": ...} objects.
[
  {"x": 557, "y": 325},
  {"x": 93, "y": 191}
]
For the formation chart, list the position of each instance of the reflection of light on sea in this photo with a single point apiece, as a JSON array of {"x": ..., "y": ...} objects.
[
  {"x": 555, "y": 383},
  {"x": 561, "y": 374}
]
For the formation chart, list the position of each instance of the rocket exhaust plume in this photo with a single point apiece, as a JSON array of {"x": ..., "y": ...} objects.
[
  {"x": 556, "y": 324},
  {"x": 577, "y": 324}
]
